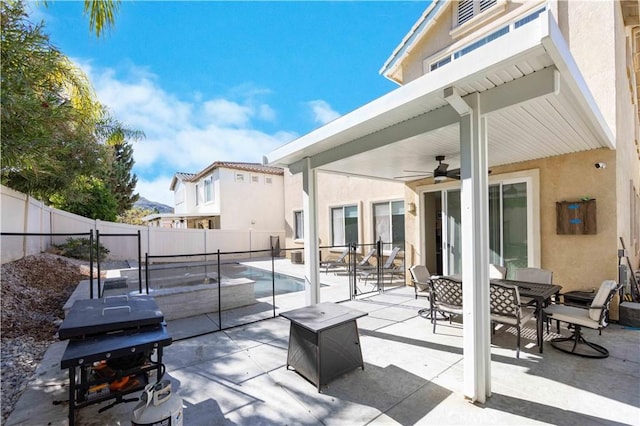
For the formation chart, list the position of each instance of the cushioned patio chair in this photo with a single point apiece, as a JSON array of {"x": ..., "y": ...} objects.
[
  {"x": 594, "y": 317},
  {"x": 497, "y": 272}
]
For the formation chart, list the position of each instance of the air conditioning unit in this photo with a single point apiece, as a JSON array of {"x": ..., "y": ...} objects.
[{"x": 297, "y": 257}]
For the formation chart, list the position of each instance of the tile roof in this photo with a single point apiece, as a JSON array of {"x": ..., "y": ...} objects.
[{"x": 249, "y": 167}]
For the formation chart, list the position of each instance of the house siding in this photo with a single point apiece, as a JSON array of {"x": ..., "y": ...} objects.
[{"x": 334, "y": 191}]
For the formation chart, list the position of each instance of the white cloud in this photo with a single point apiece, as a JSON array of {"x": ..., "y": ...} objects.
[
  {"x": 223, "y": 112},
  {"x": 156, "y": 190},
  {"x": 322, "y": 111},
  {"x": 182, "y": 135}
]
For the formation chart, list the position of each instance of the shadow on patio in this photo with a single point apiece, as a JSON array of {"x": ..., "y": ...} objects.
[{"x": 411, "y": 376}]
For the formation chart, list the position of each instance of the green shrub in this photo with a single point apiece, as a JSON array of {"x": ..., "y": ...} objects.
[{"x": 78, "y": 248}]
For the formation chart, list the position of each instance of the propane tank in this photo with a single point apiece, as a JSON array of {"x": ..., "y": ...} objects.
[{"x": 158, "y": 406}]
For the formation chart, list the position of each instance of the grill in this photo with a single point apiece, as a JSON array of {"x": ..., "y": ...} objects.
[{"x": 111, "y": 346}]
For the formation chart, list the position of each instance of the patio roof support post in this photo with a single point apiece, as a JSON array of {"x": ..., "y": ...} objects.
[
  {"x": 310, "y": 214},
  {"x": 475, "y": 251}
]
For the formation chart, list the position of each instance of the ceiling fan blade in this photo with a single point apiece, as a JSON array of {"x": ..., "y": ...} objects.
[
  {"x": 454, "y": 173},
  {"x": 441, "y": 169},
  {"x": 417, "y": 171},
  {"x": 424, "y": 175}
]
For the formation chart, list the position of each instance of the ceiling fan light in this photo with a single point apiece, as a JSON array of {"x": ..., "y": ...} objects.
[{"x": 439, "y": 178}]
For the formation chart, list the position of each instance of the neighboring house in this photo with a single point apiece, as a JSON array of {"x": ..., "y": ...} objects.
[
  {"x": 536, "y": 104},
  {"x": 226, "y": 195},
  {"x": 351, "y": 209}
]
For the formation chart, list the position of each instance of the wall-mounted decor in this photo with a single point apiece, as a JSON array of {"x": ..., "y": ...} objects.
[{"x": 576, "y": 217}]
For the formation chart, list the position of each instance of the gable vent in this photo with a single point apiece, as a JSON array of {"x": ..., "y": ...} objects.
[
  {"x": 465, "y": 11},
  {"x": 486, "y": 4}
]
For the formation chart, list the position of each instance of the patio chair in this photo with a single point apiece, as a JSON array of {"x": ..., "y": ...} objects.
[
  {"x": 497, "y": 272},
  {"x": 336, "y": 263},
  {"x": 388, "y": 267},
  {"x": 446, "y": 297},
  {"x": 420, "y": 277},
  {"x": 533, "y": 275},
  {"x": 505, "y": 308},
  {"x": 594, "y": 317}
]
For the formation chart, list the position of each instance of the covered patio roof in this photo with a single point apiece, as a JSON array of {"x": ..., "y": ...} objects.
[
  {"x": 518, "y": 97},
  {"x": 536, "y": 101}
]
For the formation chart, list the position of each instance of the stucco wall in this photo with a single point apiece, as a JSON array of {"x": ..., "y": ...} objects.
[
  {"x": 338, "y": 190},
  {"x": 627, "y": 137},
  {"x": 251, "y": 205},
  {"x": 439, "y": 39},
  {"x": 577, "y": 261}
]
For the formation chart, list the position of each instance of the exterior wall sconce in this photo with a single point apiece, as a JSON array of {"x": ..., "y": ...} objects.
[{"x": 411, "y": 208}]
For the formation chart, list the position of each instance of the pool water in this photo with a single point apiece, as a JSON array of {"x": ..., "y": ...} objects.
[{"x": 264, "y": 284}]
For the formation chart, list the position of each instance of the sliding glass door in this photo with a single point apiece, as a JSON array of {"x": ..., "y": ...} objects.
[{"x": 508, "y": 226}]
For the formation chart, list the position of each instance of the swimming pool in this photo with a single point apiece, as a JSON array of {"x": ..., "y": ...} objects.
[{"x": 264, "y": 285}]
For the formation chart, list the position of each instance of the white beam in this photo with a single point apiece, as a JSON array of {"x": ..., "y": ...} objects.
[
  {"x": 475, "y": 252},
  {"x": 311, "y": 258},
  {"x": 414, "y": 126},
  {"x": 540, "y": 83},
  {"x": 452, "y": 96}
]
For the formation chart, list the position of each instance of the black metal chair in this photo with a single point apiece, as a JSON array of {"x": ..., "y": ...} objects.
[
  {"x": 594, "y": 317},
  {"x": 505, "y": 308},
  {"x": 446, "y": 297}
]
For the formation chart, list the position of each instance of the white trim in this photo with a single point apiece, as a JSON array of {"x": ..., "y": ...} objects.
[{"x": 531, "y": 177}]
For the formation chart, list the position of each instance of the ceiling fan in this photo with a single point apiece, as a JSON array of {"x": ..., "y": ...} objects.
[{"x": 439, "y": 174}]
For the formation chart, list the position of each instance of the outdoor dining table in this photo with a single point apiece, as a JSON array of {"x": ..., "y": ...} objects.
[{"x": 541, "y": 293}]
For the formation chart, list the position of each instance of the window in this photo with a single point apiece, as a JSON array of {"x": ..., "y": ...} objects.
[
  {"x": 255, "y": 179},
  {"x": 208, "y": 189},
  {"x": 344, "y": 225},
  {"x": 467, "y": 9},
  {"x": 268, "y": 180},
  {"x": 388, "y": 219},
  {"x": 197, "y": 194},
  {"x": 298, "y": 225},
  {"x": 239, "y": 177}
]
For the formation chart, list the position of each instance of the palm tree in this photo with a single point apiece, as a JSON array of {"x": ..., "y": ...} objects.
[{"x": 101, "y": 14}]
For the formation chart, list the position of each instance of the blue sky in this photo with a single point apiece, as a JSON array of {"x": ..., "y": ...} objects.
[{"x": 229, "y": 81}]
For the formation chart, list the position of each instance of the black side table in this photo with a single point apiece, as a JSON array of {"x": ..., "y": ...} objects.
[
  {"x": 580, "y": 299},
  {"x": 324, "y": 341}
]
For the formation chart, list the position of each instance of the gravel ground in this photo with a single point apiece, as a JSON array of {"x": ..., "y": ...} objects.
[{"x": 34, "y": 290}]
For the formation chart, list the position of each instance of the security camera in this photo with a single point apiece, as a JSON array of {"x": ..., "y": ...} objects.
[{"x": 600, "y": 165}]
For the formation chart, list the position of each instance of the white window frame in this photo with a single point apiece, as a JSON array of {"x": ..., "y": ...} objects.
[
  {"x": 298, "y": 234},
  {"x": 197, "y": 194},
  {"x": 239, "y": 177},
  {"x": 268, "y": 180},
  {"x": 209, "y": 197},
  {"x": 531, "y": 177},
  {"x": 373, "y": 221},
  {"x": 255, "y": 179},
  {"x": 331, "y": 224}
]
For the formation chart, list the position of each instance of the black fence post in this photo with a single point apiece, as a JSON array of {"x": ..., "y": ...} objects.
[
  {"x": 273, "y": 278},
  {"x": 91, "y": 263},
  {"x": 98, "y": 260},
  {"x": 146, "y": 275},
  {"x": 379, "y": 265},
  {"x": 219, "y": 293},
  {"x": 139, "y": 258}
]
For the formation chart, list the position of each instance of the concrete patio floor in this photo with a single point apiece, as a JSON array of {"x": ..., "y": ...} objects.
[{"x": 411, "y": 376}]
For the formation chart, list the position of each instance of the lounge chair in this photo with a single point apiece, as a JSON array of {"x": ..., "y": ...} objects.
[
  {"x": 362, "y": 264},
  {"x": 389, "y": 267},
  {"x": 341, "y": 261}
]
